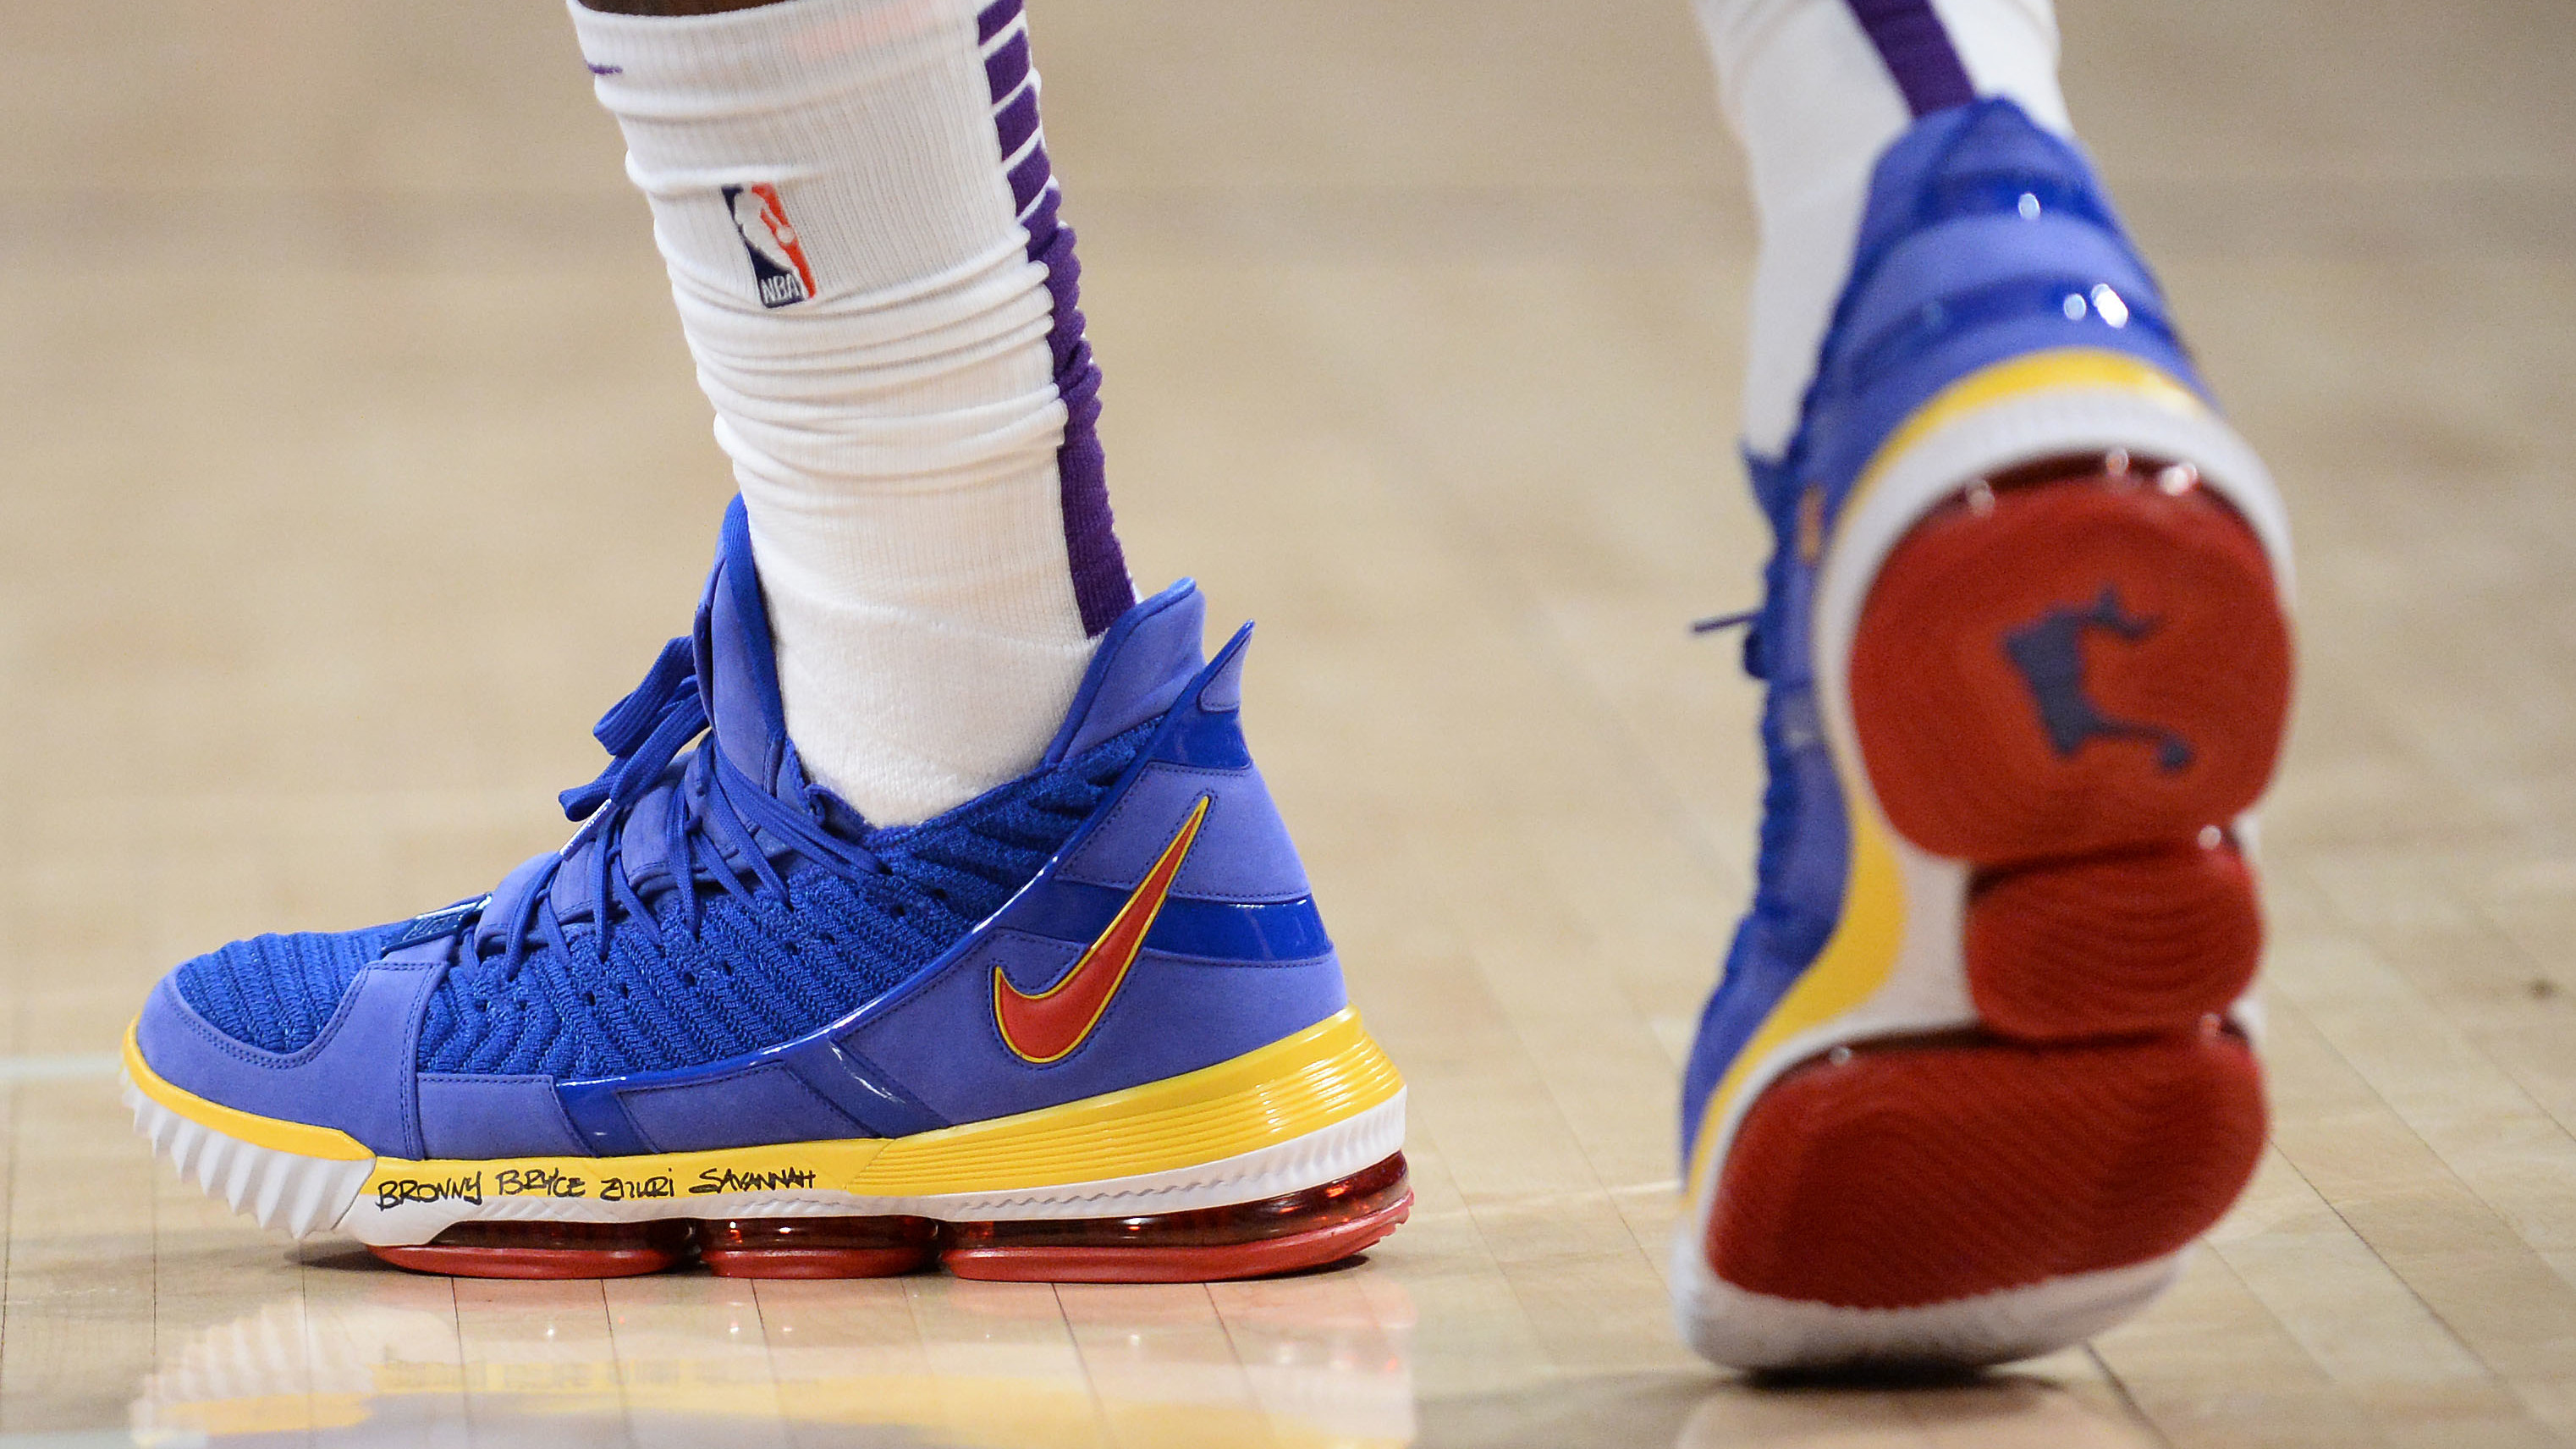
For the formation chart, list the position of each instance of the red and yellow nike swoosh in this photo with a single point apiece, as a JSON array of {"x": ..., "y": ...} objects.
[{"x": 1044, "y": 1028}]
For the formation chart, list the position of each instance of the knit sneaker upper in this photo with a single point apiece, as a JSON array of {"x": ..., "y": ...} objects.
[
  {"x": 275, "y": 992},
  {"x": 758, "y": 971}
]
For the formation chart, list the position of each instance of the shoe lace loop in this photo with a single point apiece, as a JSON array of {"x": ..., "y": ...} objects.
[
  {"x": 712, "y": 818},
  {"x": 644, "y": 731}
]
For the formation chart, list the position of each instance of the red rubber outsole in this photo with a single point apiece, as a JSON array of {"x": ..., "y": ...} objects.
[
  {"x": 2135, "y": 620},
  {"x": 817, "y": 1247},
  {"x": 2109, "y": 944},
  {"x": 1278, "y": 1235},
  {"x": 2074, "y": 678},
  {"x": 547, "y": 1250},
  {"x": 458, "y": 1262},
  {"x": 1288, "y": 1233},
  {"x": 1908, "y": 1175}
]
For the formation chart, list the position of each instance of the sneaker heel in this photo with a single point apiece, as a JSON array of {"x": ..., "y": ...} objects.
[
  {"x": 2074, "y": 678},
  {"x": 2073, "y": 659},
  {"x": 1908, "y": 1173}
]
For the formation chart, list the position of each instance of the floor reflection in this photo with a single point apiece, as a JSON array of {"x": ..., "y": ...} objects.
[{"x": 367, "y": 1357}]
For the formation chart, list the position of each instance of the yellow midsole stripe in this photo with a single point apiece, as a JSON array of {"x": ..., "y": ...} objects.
[
  {"x": 1861, "y": 954},
  {"x": 268, "y": 1132},
  {"x": 2060, "y": 368},
  {"x": 1328, "y": 1073}
]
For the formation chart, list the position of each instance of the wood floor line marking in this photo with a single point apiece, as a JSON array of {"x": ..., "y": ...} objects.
[
  {"x": 64, "y": 1067},
  {"x": 1554, "y": 1199}
]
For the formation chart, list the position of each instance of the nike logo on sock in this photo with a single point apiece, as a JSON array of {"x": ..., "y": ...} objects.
[{"x": 1048, "y": 1026}]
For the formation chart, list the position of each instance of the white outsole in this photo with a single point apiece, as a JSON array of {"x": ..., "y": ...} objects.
[
  {"x": 279, "y": 1189},
  {"x": 1927, "y": 989},
  {"x": 1757, "y": 1332}
]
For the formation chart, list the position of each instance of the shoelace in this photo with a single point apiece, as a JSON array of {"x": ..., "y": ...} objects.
[
  {"x": 710, "y": 804},
  {"x": 1779, "y": 793},
  {"x": 1750, "y": 621}
]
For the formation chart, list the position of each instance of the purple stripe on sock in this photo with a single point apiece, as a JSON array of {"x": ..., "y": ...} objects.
[
  {"x": 1041, "y": 221},
  {"x": 1917, "y": 51},
  {"x": 1064, "y": 285},
  {"x": 1018, "y": 121},
  {"x": 1005, "y": 68},
  {"x": 1101, "y": 589},
  {"x": 1100, "y": 585},
  {"x": 995, "y": 18},
  {"x": 1029, "y": 178}
]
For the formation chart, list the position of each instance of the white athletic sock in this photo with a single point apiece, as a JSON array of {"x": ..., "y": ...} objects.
[
  {"x": 871, "y": 321},
  {"x": 1815, "y": 103}
]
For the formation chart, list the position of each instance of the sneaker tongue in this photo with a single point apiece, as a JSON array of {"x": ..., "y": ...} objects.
[
  {"x": 738, "y": 684},
  {"x": 737, "y": 661}
]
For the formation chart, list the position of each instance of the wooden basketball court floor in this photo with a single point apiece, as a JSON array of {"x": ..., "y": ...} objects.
[{"x": 351, "y": 464}]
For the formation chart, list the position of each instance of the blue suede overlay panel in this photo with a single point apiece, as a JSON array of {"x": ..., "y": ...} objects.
[
  {"x": 1242, "y": 852},
  {"x": 340, "y": 1080},
  {"x": 745, "y": 1109},
  {"x": 476, "y": 1117}
]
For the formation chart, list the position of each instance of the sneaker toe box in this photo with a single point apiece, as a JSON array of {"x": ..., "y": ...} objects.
[
  {"x": 277, "y": 992},
  {"x": 305, "y": 1031}
]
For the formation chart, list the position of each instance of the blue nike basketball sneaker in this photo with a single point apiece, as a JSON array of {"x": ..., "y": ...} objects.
[
  {"x": 1087, "y": 1026},
  {"x": 1980, "y": 1065}
]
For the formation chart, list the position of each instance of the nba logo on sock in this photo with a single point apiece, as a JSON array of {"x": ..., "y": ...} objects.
[{"x": 778, "y": 267}]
